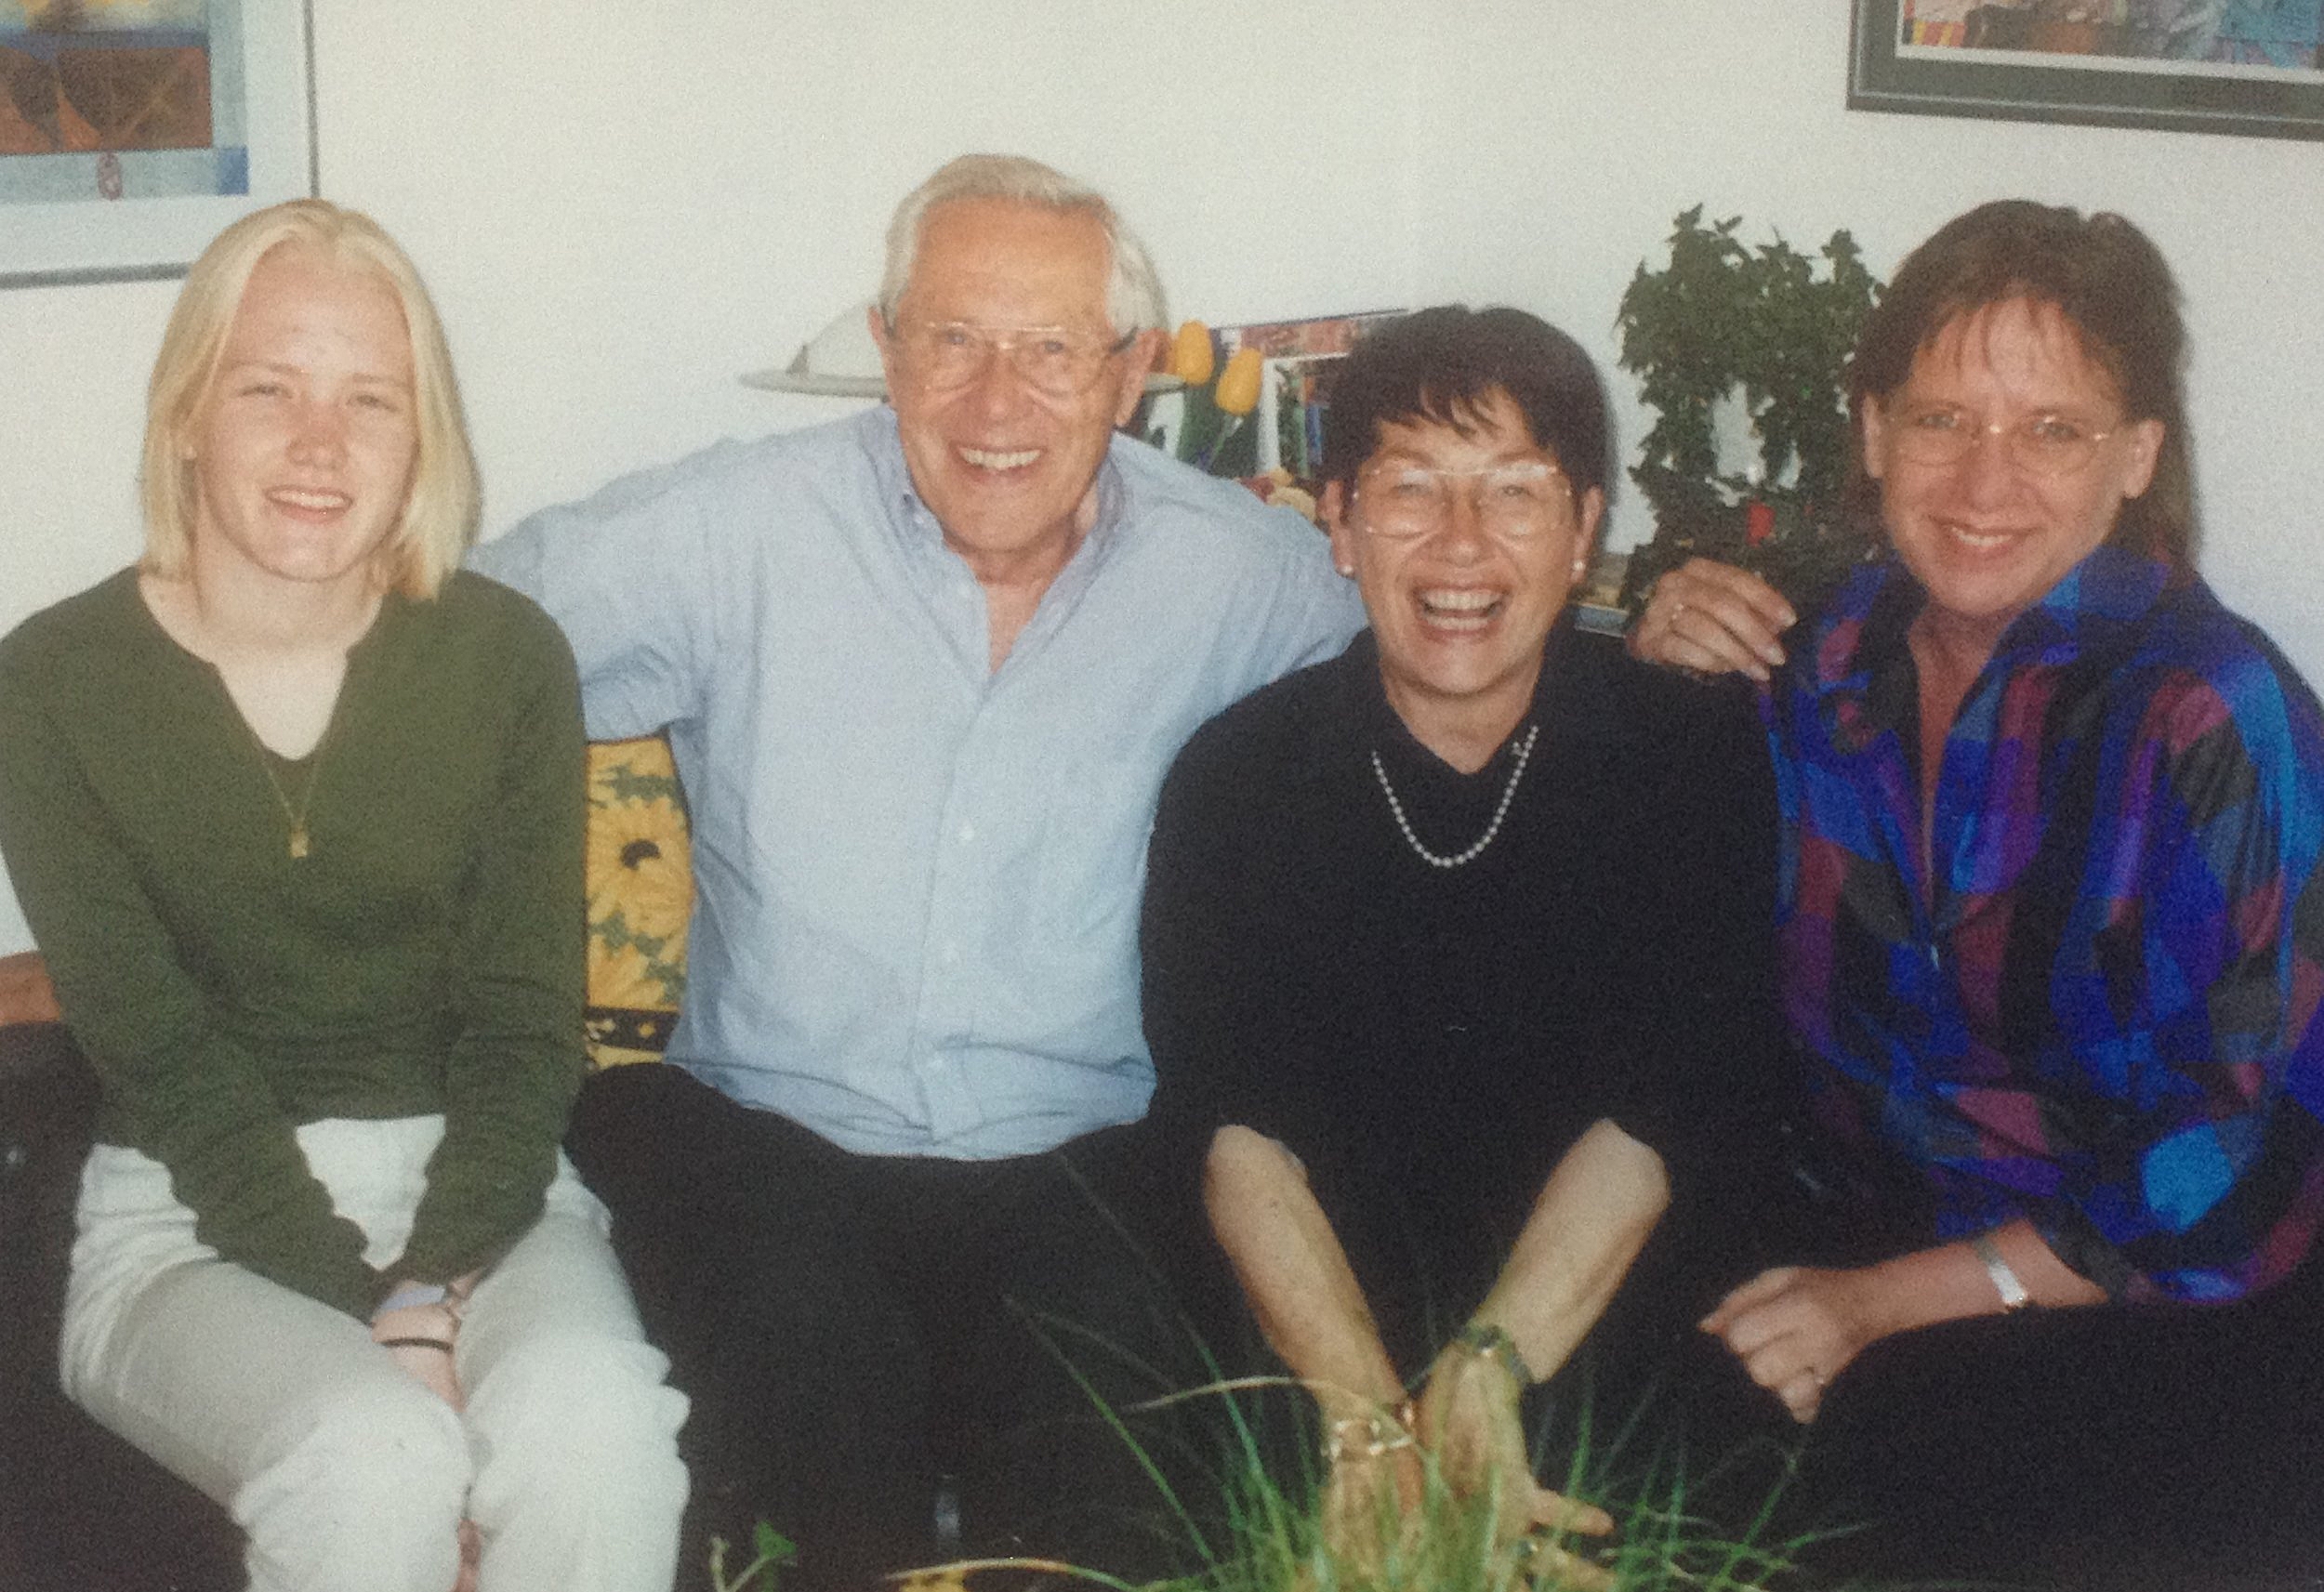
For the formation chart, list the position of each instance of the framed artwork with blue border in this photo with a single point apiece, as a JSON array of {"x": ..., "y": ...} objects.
[
  {"x": 2247, "y": 67},
  {"x": 131, "y": 131}
]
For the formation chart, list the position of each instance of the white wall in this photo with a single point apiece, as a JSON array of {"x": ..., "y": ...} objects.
[
  {"x": 619, "y": 215},
  {"x": 1566, "y": 138}
]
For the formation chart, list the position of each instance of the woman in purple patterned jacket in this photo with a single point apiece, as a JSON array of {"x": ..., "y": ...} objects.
[{"x": 2053, "y": 945}]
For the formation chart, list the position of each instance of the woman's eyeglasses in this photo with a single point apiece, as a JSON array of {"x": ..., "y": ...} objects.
[
  {"x": 1511, "y": 501},
  {"x": 1942, "y": 435}
]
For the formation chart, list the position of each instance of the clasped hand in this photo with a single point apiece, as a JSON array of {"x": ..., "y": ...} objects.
[
  {"x": 1467, "y": 1421},
  {"x": 1795, "y": 1328},
  {"x": 434, "y": 1369},
  {"x": 423, "y": 1326}
]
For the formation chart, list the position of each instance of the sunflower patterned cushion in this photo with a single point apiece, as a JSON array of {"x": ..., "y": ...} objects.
[{"x": 640, "y": 885}]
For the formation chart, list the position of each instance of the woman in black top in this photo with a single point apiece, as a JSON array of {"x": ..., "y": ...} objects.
[{"x": 1468, "y": 972}]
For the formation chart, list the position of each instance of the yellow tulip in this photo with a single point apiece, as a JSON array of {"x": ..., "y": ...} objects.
[
  {"x": 1191, "y": 358},
  {"x": 1238, "y": 384}
]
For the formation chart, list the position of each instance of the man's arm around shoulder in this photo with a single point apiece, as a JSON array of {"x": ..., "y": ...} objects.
[{"x": 634, "y": 575}]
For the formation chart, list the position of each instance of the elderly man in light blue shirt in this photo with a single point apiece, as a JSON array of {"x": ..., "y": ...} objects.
[{"x": 922, "y": 671}]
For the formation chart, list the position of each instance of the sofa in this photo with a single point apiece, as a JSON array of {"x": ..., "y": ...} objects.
[{"x": 80, "y": 1510}]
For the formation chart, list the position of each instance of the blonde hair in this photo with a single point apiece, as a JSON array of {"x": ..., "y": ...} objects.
[
  {"x": 1134, "y": 292},
  {"x": 441, "y": 505}
]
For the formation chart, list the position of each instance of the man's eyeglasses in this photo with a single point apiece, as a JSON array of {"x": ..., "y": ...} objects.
[
  {"x": 1512, "y": 502},
  {"x": 1064, "y": 363},
  {"x": 1941, "y": 435}
]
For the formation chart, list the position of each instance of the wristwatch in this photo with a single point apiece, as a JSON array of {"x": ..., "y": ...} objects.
[
  {"x": 1489, "y": 1340},
  {"x": 2006, "y": 1281}
]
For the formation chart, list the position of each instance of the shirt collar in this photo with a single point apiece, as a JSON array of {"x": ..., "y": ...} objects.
[{"x": 1856, "y": 662}]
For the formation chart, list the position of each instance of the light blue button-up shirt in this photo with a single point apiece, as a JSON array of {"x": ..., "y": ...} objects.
[{"x": 918, "y": 878}]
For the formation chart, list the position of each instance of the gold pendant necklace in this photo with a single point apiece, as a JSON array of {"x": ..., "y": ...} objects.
[
  {"x": 300, "y": 842},
  {"x": 295, "y": 816}
]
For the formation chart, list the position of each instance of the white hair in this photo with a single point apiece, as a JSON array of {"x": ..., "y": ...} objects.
[{"x": 1133, "y": 294}]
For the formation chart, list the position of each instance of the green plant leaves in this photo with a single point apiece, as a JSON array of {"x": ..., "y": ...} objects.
[{"x": 1721, "y": 318}]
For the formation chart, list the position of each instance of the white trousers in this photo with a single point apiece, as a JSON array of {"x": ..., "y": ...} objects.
[{"x": 345, "y": 1472}]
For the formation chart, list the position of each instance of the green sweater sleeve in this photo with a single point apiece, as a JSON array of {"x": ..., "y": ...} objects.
[
  {"x": 518, "y": 976},
  {"x": 203, "y": 1104}
]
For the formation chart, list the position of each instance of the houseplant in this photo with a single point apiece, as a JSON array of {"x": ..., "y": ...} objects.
[{"x": 1763, "y": 326}]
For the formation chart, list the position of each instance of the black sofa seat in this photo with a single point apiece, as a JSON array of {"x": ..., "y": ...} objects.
[{"x": 80, "y": 1510}]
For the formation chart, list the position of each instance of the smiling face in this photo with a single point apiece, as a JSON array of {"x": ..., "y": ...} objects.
[
  {"x": 303, "y": 447},
  {"x": 1462, "y": 613},
  {"x": 1987, "y": 536},
  {"x": 1009, "y": 470}
]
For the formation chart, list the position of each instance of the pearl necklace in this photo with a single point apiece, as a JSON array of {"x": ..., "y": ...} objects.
[{"x": 1509, "y": 792}]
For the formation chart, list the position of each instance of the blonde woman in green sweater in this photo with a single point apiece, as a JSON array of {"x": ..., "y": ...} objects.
[{"x": 293, "y": 808}]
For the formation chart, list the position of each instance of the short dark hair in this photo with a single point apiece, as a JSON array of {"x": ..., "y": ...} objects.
[
  {"x": 1442, "y": 365},
  {"x": 2112, "y": 285}
]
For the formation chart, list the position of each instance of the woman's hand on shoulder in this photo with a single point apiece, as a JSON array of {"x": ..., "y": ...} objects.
[{"x": 1712, "y": 618}]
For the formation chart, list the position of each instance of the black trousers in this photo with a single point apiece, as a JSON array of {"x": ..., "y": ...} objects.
[
  {"x": 853, "y": 1330},
  {"x": 2108, "y": 1448}
]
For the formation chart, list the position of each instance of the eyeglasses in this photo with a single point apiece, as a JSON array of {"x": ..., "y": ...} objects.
[
  {"x": 2046, "y": 444},
  {"x": 1514, "y": 502},
  {"x": 1064, "y": 363}
]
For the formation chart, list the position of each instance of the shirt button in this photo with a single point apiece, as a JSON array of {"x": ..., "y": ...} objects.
[
  {"x": 968, "y": 832},
  {"x": 952, "y": 952}
]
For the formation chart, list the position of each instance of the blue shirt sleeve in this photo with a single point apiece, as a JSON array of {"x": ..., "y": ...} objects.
[{"x": 632, "y": 574}]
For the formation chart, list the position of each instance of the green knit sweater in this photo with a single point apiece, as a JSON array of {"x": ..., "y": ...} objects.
[{"x": 425, "y": 956}]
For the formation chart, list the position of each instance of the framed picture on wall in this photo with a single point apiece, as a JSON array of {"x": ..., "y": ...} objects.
[
  {"x": 132, "y": 130},
  {"x": 2252, "y": 67}
]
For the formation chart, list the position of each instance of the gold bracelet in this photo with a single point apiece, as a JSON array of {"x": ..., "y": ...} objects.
[{"x": 1369, "y": 1436}]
